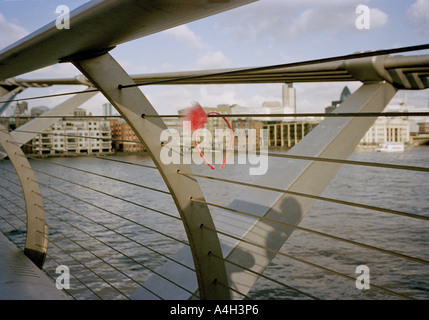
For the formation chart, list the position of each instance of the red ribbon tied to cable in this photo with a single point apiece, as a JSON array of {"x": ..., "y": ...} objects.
[{"x": 198, "y": 118}]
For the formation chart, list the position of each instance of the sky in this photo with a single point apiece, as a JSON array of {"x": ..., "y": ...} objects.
[{"x": 266, "y": 32}]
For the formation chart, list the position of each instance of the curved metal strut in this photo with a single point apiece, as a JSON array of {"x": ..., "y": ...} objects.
[
  {"x": 36, "y": 244},
  {"x": 106, "y": 74}
]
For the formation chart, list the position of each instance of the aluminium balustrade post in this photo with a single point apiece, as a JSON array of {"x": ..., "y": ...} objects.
[
  {"x": 38, "y": 125},
  {"x": 106, "y": 75},
  {"x": 36, "y": 243},
  {"x": 335, "y": 137}
]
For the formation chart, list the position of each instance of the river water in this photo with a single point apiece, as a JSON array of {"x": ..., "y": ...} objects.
[{"x": 91, "y": 232}]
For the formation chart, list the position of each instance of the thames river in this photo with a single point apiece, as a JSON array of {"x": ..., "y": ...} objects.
[{"x": 91, "y": 212}]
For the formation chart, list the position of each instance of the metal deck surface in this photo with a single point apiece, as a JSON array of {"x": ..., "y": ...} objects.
[{"x": 21, "y": 279}]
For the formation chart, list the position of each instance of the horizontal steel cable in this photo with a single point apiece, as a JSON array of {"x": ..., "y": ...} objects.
[
  {"x": 8, "y": 222},
  {"x": 98, "y": 207},
  {"x": 322, "y": 159},
  {"x": 400, "y": 255},
  {"x": 127, "y": 162},
  {"x": 336, "y": 160},
  {"x": 15, "y": 194},
  {"x": 43, "y": 116},
  {"x": 118, "y": 251},
  {"x": 65, "y": 153},
  {"x": 289, "y": 256},
  {"x": 278, "y": 155},
  {"x": 72, "y": 273},
  {"x": 351, "y": 162},
  {"x": 263, "y": 276},
  {"x": 73, "y": 136},
  {"x": 107, "y": 194},
  {"x": 95, "y": 238},
  {"x": 138, "y": 242},
  {"x": 126, "y": 219},
  {"x": 320, "y": 198},
  {"x": 116, "y": 232},
  {"x": 285, "y": 65},
  {"x": 52, "y": 242},
  {"x": 100, "y": 175},
  {"x": 50, "y": 95},
  {"x": 298, "y": 157},
  {"x": 321, "y": 268},
  {"x": 402, "y": 168},
  {"x": 288, "y": 156},
  {"x": 81, "y": 263},
  {"x": 14, "y": 215},
  {"x": 306, "y": 195},
  {"x": 117, "y": 215},
  {"x": 257, "y": 115},
  {"x": 297, "y": 259},
  {"x": 252, "y": 69},
  {"x": 217, "y": 282},
  {"x": 300, "y": 115},
  {"x": 50, "y": 256},
  {"x": 110, "y": 212}
]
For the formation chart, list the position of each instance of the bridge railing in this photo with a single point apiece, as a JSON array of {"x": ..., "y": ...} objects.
[
  {"x": 144, "y": 228},
  {"x": 114, "y": 228}
]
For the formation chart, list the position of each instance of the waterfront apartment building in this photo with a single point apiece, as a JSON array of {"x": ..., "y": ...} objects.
[
  {"x": 74, "y": 136},
  {"x": 124, "y": 138}
]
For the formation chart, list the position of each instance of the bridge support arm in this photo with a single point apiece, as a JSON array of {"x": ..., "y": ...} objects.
[
  {"x": 36, "y": 244},
  {"x": 334, "y": 137},
  {"x": 106, "y": 75},
  {"x": 31, "y": 129}
]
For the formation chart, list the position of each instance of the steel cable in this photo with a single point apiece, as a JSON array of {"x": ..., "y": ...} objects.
[
  {"x": 306, "y": 195},
  {"x": 290, "y": 256}
]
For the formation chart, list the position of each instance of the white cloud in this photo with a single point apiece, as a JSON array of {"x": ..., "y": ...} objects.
[
  {"x": 133, "y": 68},
  {"x": 168, "y": 100},
  {"x": 211, "y": 96},
  {"x": 418, "y": 14},
  {"x": 213, "y": 60},
  {"x": 315, "y": 97},
  {"x": 285, "y": 19},
  {"x": 10, "y": 32},
  {"x": 184, "y": 34},
  {"x": 59, "y": 70},
  {"x": 378, "y": 18}
]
